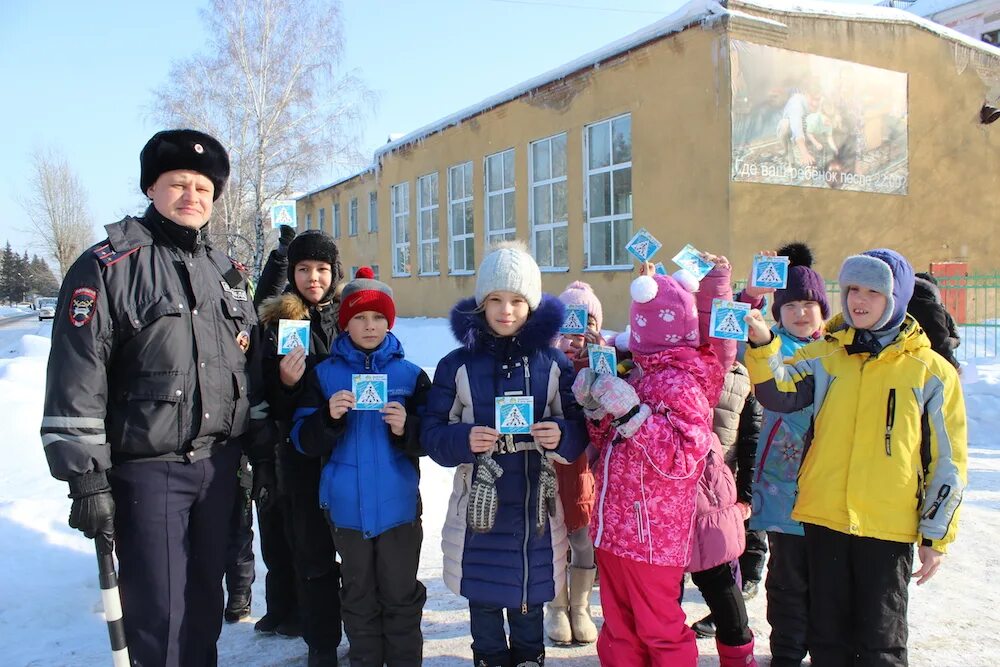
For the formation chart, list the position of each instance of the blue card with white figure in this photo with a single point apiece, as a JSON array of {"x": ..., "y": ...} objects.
[
  {"x": 515, "y": 414},
  {"x": 689, "y": 258},
  {"x": 370, "y": 390},
  {"x": 603, "y": 359},
  {"x": 659, "y": 269},
  {"x": 292, "y": 334},
  {"x": 575, "y": 321},
  {"x": 729, "y": 320},
  {"x": 643, "y": 245},
  {"x": 769, "y": 272}
]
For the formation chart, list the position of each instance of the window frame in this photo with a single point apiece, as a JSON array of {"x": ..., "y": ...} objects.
[
  {"x": 613, "y": 218},
  {"x": 468, "y": 204},
  {"x": 322, "y": 219},
  {"x": 398, "y": 216},
  {"x": 372, "y": 211},
  {"x": 335, "y": 221},
  {"x": 487, "y": 194},
  {"x": 532, "y": 185},
  {"x": 352, "y": 217},
  {"x": 434, "y": 210}
]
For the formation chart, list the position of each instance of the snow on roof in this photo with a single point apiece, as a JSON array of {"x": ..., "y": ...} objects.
[
  {"x": 340, "y": 181},
  {"x": 927, "y": 8},
  {"x": 694, "y": 12}
]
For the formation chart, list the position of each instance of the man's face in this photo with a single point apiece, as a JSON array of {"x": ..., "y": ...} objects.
[{"x": 183, "y": 196}]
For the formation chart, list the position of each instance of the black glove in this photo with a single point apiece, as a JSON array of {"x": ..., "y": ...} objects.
[
  {"x": 265, "y": 485},
  {"x": 93, "y": 509},
  {"x": 285, "y": 236}
]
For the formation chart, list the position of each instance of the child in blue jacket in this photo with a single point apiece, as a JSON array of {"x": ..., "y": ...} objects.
[
  {"x": 369, "y": 485},
  {"x": 504, "y": 539}
]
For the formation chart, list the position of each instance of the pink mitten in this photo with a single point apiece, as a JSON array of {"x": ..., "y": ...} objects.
[
  {"x": 582, "y": 392},
  {"x": 620, "y": 400}
]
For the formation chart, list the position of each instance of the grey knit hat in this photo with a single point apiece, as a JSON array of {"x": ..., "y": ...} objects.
[
  {"x": 510, "y": 268},
  {"x": 885, "y": 271}
]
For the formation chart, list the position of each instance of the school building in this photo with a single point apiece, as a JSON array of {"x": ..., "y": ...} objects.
[{"x": 734, "y": 127}]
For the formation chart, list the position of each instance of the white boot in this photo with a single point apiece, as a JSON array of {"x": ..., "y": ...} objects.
[
  {"x": 581, "y": 582},
  {"x": 557, "y": 625}
]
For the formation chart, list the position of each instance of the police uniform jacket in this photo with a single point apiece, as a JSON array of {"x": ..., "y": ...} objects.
[{"x": 148, "y": 356}]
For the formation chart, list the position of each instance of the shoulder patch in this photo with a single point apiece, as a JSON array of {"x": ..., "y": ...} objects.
[
  {"x": 82, "y": 305},
  {"x": 107, "y": 255}
]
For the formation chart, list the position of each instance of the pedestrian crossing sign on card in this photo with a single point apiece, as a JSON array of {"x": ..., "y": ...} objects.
[
  {"x": 659, "y": 269},
  {"x": 643, "y": 245},
  {"x": 515, "y": 414},
  {"x": 283, "y": 213},
  {"x": 769, "y": 272},
  {"x": 575, "y": 321},
  {"x": 689, "y": 258},
  {"x": 370, "y": 390},
  {"x": 293, "y": 334},
  {"x": 603, "y": 359},
  {"x": 728, "y": 319}
]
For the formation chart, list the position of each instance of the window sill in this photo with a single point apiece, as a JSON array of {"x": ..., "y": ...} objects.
[
  {"x": 608, "y": 269},
  {"x": 429, "y": 275},
  {"x": 554, "y": 269},
  {"x": 401, "y": 275},
  {"x": 461, "y": 273}
]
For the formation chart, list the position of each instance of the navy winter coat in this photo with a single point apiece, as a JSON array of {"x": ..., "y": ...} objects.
[{"x": 512, "y": 565}]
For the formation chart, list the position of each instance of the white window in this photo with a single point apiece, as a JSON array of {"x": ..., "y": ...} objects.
[
  {"x": 500, "y": 197},
  {"x": 608, "y": 187},
  {"x": 322, "y": 219},
  {"x": 462, "y": 258},
  {"x": 401, "y": 230},
  {"x": 372, "y": 211},
  {"x": 547, "y": 206},
  {"x": 427, "y": 228},
  {"x": 352, "y": 220},
  {"x": 309, "y": 220},
  {"x": 375, "y": 271},
  {"x": 336, "y": 221}
]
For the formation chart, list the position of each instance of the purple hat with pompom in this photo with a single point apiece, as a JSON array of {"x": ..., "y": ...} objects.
[{"x": 804, "y": 284}]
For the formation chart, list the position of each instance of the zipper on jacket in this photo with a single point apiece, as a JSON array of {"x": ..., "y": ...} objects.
[
  {"x": 604, "y": 493},
  {"x": 890, "y": 418},
  {"x": 527, "y": 533},
  {"x": 767, "y": 448},
  {"x": 638, "y": 521}
]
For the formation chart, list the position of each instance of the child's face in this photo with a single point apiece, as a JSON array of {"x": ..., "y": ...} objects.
[
  {"x": 866, "y": 306},
  {"x": 802, "y": 319},
  {"x": 367, "y": 329},
  {"x": 506, "y": 312},
  {"x": 312, "y": 279}
]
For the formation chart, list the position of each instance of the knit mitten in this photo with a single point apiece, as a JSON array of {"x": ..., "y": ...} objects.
[
  {"x": 546, "y": 505},
  {"x": 582, "y": 391},
  {"x": 482, "y": 510},
  {"x": 619, "y": 399}
]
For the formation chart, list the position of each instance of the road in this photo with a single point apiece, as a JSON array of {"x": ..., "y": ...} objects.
[{"x": 13, "y": 327}]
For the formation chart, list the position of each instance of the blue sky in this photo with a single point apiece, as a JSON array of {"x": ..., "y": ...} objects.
[{"x": 78, "y": 76}]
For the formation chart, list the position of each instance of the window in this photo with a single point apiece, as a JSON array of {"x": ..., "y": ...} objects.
[
  {"x": 322, "y": 219},
  {"x": 608, "y": 152},
  {"x": 375, "y": 271},
  {"x": 462, "y": 258},
  {"x": 547, "y": 206},
  {"x": 401, "y": 230},
  {"x": 336, "y": 221},
  {"x": 991, "y": 37},
  {"x": 352, "y": 220},
  {"x": 500, "y": 197},
  {"x": 309, "y": 220},
  {"x": 372, "y": 211},
  {"x": 427, "y": 227}
]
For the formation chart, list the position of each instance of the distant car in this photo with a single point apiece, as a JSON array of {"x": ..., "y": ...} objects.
[{"x": 46, "y": 309}]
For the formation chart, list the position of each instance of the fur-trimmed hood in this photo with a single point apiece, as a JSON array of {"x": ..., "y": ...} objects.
[
  {"x": 287, "y": 306},
  {"x": 471, "y": 330}
]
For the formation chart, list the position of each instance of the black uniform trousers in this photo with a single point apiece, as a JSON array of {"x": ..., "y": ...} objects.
[
  {"x": 240, "y": 572},
  {"x": 316, "y": 569},
  {"x": 171, "y": 529},
  {"x": 787, "y": 587},
  {"x": 382, "y": 599},
  {"x": 857, "y": 599},
  {"x": 280, "y": 589},
  {"x": 722, "y": 594}
]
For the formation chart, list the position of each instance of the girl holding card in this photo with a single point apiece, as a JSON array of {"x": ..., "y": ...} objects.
[{"x": 504, "y": 539}]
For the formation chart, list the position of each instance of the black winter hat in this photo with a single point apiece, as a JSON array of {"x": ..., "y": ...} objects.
[
  {"x": 317, "y": 245},
  {"x": 183, "y": 149}
]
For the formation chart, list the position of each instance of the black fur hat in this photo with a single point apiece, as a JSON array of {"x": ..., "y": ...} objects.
[
  {"x": 183, "y": 149},
  {"x": 317, "y": 245}
]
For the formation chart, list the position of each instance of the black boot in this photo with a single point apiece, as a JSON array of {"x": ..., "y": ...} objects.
[
  {"x": 490, "y": 660},
  {"x": 238, "y": 606},
  {"x": 705, "y": 627},
  {"x": 322, "y": 657},
  {"x": 268, "y": 623},
  {"x": 527, "y": 659}
]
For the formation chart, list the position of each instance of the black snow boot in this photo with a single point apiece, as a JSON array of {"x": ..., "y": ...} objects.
[
  {"x": 238, "y": 606},
  {"x": 527, "y": 659},
  {"x": 490, "y": 660},
  {"x": 705, "y": 627},
  {"x": 322, "y": 657}
]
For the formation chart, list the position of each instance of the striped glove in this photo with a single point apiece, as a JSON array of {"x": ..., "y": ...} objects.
[
  {"x": 481, "y": 513},
  {"x": 582, "y": 391},
  {"x": 546, "y": 505}
]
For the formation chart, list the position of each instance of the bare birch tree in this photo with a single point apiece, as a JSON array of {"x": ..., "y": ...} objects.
[
  {"x": 56, "y": 206},
  {"x": 270, "y": 89}
]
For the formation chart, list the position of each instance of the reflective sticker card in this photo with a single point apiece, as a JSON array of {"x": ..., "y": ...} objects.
[
  {"x": 575, "y": 321},
  {"x": 515, "y": 414},
  {"x": 370, "y": 390},
  {"x": 660, "y": 269},
  {"x": 689, "y": 258},
  {"x": 292, "y": 334},
  {"x": 643, "y": 245},
  {"x": 603, "y": 359},
  {"x": 728, "y": 319},
  {"x": 769, "y": 272}
]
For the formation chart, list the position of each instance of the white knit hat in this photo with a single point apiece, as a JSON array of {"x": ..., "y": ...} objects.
[{"x": 510, "y": 268}]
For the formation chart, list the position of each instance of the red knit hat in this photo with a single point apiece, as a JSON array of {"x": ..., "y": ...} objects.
[{"x": 365, "y": 293}]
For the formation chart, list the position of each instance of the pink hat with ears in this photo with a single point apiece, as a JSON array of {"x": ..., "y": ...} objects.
[{"x": 663, "y": 313}]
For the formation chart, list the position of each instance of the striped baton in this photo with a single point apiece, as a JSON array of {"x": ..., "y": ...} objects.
[{"x": 112, "y": 602}]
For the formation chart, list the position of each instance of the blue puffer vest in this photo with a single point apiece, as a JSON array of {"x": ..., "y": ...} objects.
[{"x": 368, "y": 484}]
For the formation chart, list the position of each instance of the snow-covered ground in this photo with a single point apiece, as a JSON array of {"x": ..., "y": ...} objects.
[{"x": 50, "y": 605}]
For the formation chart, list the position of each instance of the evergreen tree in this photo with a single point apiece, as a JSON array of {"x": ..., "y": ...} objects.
[
  {"x": 8, "y": 264},
  {"x": 42, "y": 282}
]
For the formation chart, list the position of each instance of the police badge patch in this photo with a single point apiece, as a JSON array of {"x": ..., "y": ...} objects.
[{"x": 82, "y": 305}]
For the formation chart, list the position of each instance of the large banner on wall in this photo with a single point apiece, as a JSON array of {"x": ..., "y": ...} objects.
[{"x": 806, "y": 120}]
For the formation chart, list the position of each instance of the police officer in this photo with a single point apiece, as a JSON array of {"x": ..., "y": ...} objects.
[{"x": 147, "y": 396}]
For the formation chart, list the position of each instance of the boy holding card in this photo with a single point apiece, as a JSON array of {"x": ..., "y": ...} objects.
[
  {"x": 504, "y": 539},
  {"x": 369, "y": 485}
]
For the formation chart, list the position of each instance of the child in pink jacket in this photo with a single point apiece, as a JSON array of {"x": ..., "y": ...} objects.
[{"x": 653, "y": 432}]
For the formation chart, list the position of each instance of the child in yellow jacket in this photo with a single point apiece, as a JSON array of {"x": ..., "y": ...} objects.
[{"x": 886, "y": 463}]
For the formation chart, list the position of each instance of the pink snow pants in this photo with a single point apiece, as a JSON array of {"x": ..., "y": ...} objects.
[{"x": 644, "y": 625}]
